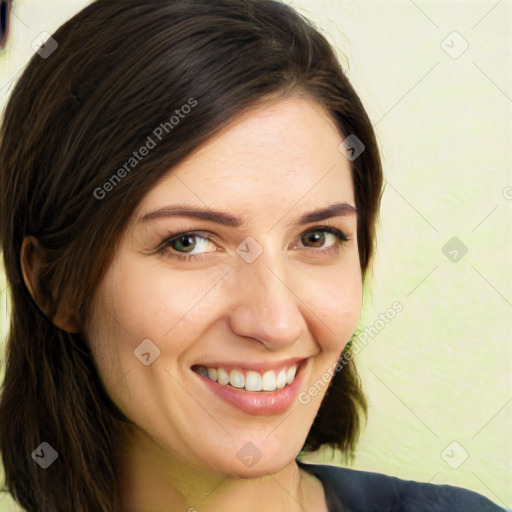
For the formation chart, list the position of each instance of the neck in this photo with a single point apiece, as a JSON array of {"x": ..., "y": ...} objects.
[{"x": 152, "y": 480}]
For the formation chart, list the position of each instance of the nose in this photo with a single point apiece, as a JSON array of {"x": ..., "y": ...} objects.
[{"x": 265, "y": 306}]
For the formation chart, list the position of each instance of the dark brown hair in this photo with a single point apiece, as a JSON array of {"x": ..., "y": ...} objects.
[{"x": 121, "y": 68}]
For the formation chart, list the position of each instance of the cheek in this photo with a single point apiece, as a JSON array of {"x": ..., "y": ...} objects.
[
  {"x": 149, "y": 302},
  {"x": 334, "y": 295},
  {"x": 136, "y": 303}
]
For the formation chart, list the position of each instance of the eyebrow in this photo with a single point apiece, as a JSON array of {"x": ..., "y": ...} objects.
[{"x": 227, "y": 219}]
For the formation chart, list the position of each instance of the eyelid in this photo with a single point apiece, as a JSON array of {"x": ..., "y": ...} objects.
[
  {"x": 163, "y": 248},
  {"x": 191, "y": 232}
]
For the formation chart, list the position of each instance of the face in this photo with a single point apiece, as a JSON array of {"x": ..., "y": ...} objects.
[{"x": 196, "y": 308}]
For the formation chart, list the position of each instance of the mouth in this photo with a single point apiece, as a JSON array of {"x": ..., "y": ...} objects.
[
  {"x": 253, "y": 380},
  {"x": 258, "y": 390}
]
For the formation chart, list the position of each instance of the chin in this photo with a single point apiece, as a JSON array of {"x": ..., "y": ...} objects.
[{"x": 258, "y": 458}]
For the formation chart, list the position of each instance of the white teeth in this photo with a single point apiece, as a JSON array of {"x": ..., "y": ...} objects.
[
  {"x": 222, "y": 376},
  {"x": 236, "y": 379},
  {"x": 290, "y": 374},
  {"x": 281, "y": 379},
  {"x": 251, "y": 380},
  {"x": 268, "y": 382}
]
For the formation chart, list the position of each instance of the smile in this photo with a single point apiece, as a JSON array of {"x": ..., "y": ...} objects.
[
  {"x": 250, "y": 380},
  {"x": 260, "y": 390}
]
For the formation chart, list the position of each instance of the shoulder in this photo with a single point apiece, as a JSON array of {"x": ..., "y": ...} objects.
[{"x": 351, "y": 490}]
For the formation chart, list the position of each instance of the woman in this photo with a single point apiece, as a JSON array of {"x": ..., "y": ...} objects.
[{"x": 187, "y": 227}]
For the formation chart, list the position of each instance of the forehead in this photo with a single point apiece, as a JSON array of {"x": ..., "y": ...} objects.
[{"x": 273, "y": 156}]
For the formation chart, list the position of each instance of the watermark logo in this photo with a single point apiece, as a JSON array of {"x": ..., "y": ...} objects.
[
  {"x": 146, "y": 352},
  {"x": 249, "y": 455},
  {"x": 455, "y": 455},
  {"x": 454, "y": 45},
  {"x": 44, "y": 45},
  {"x": 351, "y": 147},
  {"x": 45, "y": 455},
  {"x": 249, "y": 250},
  {"x": 454, "y": 249}
]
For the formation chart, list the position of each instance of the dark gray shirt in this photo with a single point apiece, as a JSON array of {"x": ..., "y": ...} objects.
[{"x": 350, "y": 490}]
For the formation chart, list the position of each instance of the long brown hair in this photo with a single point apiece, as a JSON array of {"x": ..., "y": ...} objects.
[{"x": 74, "y": 118}]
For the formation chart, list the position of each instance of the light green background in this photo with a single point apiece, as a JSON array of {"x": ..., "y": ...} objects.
[{"x": 440, "y": 372}]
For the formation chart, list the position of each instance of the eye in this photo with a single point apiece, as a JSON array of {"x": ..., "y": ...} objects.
[
  {"x": 185, "y": 246},
  {"x": 319, "y": 236},
  {"x": 192, "y": 245}
]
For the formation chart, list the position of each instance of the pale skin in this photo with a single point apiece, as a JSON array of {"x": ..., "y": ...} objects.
[{"x": 301, "y": 297}]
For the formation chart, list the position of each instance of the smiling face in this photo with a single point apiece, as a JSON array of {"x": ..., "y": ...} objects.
[{"x": 247, "y": 294}]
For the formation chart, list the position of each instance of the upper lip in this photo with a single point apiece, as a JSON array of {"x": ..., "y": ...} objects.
[{"x": 254, "y": 366}]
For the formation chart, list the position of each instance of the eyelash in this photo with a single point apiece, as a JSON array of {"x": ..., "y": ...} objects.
[{"x": 163, "y": 248}]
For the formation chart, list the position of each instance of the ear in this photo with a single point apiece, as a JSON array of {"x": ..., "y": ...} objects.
[{"x": 30, "y": 261}]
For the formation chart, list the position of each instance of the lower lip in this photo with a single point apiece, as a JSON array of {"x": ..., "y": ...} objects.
[{"x": 262, "y": 403}]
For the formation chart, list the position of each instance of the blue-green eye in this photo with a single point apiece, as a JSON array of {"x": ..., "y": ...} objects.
[
  {"x": 184, "y": 246},
  {"x": 187, "y": 242}
]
